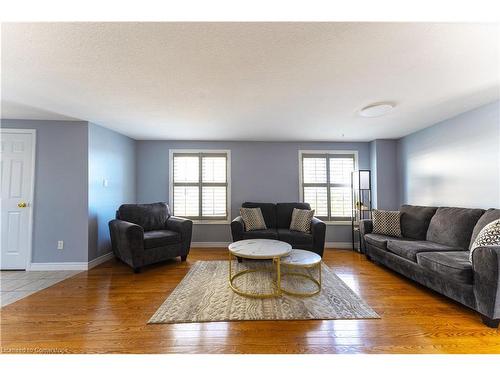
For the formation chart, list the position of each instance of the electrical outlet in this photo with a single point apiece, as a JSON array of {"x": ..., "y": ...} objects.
[{"x": 60, "y": 245}]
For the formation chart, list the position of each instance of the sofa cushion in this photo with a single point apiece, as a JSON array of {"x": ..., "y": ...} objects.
[
  {"x": 270, "y": 234},
  {"x": 453, "y": 226},
  {"x": 284, "y": 213},
  {"x": 294, "y": 238},
  {"x": 451, "y": 264},
  {"x": 489, "y": 216},
  {"x": 152, "y": 216},
  {"x": 415, "y": 221},
  {"x": 379, "y": 240},
  {"x": 159, "y": 238},
  {"x": 409, "y": 249},
  {"x": 268, "y": 212}
]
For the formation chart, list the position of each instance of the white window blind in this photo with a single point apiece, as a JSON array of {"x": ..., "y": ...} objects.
[
  {"x": 326, "y": 184},
  {"x": 200, "y": 185}
]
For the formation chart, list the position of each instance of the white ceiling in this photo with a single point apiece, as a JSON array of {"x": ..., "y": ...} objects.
[
  {"x": 249, "y": 81},
  {"x": 11, "y": 110}
]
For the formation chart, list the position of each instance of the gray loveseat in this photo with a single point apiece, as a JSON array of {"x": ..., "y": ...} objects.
[
  {"x": 278, "y": 217},
  {"x": 144, "y": 234},
  {"x": 433, "y": 251}
]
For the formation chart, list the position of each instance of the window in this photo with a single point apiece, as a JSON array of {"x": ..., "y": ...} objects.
[
  {"x": 199, "y": 188},
  {"x": 326, "y": 183}
]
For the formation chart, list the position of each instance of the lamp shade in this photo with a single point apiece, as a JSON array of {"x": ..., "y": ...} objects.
[{"x": 364, "y": 180}]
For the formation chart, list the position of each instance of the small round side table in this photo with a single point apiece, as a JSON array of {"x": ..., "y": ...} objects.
[{"x": 302, "y": 259}]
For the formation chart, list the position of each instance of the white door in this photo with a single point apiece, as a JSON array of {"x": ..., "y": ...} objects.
[{"x": 17, "y": 165}]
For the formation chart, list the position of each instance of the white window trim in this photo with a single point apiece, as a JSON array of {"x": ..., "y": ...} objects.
[
  {"x": 331, "y": 152},
  {"x": 228, "y": 177}
]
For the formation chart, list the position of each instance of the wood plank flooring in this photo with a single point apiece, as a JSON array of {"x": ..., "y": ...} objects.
[{"x": 105, "y": 310}]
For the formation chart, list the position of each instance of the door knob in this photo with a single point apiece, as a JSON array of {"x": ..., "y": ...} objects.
[{"x": 22, "y": 205}]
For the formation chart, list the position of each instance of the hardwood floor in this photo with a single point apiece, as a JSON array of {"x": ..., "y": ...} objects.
[{"x": 105, "y": 310}]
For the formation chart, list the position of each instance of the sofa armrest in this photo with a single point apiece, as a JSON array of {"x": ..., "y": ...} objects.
[
  {"x": 486, "y": 266},
  {"x": 365, "y": 227},
  {"x": 318, "y": 232},
  {"x": 185, "y": 228},
  {"x": 127, "y": 241},
  {"x": 237, "y": 229}
]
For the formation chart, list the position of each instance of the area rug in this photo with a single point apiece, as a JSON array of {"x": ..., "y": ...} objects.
[{"x": 204, "y": 295}]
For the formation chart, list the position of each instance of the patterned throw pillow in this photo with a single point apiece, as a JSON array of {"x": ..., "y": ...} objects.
[
  {"x": 489, "y": 236},
  {"x": 387, "y": 222},
  {"x": 253, "y": 219},
  {"x": 301, "y": 220}
]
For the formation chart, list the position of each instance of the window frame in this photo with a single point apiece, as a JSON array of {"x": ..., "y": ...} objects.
[
  {"x": 200, "y": 153},
  {"x": 328, "y": 185}
]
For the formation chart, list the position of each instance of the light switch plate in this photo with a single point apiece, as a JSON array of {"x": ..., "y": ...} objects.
[
  {"x": 60, "y": 245},
  {"x": 105, "y": 182}
]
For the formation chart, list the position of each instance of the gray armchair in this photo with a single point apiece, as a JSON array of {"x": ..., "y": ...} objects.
[{"x": 144, "y": 234}]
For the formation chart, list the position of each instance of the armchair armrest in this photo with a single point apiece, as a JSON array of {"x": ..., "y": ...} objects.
[
  {"x": 127, "y": 241},
  {"x": 486, "y": 267},
  {"x": 185, "y": 228},
  {"x": 237, "y": 229},
  {"x": 318, "y": 231},
  {"x": 180, "y": 225},
  {"x": 365, "y": 227}
]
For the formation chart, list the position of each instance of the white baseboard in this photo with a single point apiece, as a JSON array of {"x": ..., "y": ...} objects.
[
  {"x": 210, "y": 244},
  {"x": 70, "y": 266},
  {"x": 99, "y": 260},
  {"x": 338, "y": 245},
  {"x": 63, "y": 266}
]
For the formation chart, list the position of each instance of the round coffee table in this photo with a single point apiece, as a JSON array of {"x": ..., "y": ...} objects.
[
  {"x": 302, "y": 259},
  {"x": 258, "y": 249}
]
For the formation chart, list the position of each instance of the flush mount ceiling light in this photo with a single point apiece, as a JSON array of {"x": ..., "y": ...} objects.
[{"x": 376, "y": 110}]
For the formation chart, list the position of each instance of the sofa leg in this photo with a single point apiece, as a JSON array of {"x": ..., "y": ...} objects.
[
  {"x": 184, "y": 257},
  {"x": 239, "y": 259},
  {"x": 492, "y": 323},
  {"x": 137, "y": 269}
]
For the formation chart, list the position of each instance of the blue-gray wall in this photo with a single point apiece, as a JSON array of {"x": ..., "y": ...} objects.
[
  {"x": 60, "y": 209},
  {"x": 383, "y": 161},
  {"x": 260, "y": 171},
  {"x": 112, "y": 158},
  {"x": 453, "y": 163}
]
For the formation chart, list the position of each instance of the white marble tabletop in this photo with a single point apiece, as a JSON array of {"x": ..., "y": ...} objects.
[
  {"x": 260, "y": 249},
  {"x": 301, "y": 258}
]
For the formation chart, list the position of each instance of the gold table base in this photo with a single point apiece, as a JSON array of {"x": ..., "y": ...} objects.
[
  {"x": 305, "y": 276},
  {"x": 278, "y": 290},
  {"x": 276, "y": 285}
]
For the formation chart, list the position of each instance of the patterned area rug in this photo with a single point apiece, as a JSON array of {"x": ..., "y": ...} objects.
[{"x": 204, "y": 295}]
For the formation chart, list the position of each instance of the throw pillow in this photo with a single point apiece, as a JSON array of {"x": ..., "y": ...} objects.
[
  {"x": 301, "y": 220},
  {"x": 387, "y": 222},
  {"x": 253, "y": 219},
  {"x": 489, "y": 236}
]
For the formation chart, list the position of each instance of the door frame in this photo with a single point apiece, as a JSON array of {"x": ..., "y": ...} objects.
[{"x": 31, "y": 197}]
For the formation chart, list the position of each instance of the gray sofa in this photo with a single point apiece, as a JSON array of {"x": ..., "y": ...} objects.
[
  {"x": 144, "y": 234},
  {"x": 434, "y": 251},
  {"x": 278, "y": 217}
]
